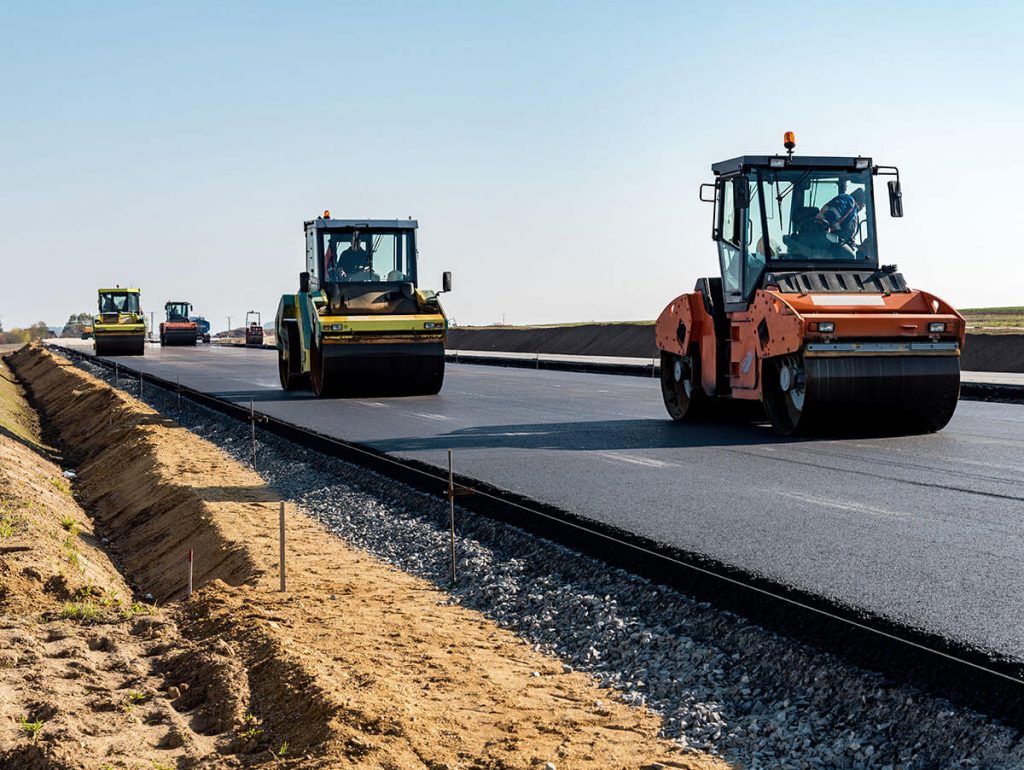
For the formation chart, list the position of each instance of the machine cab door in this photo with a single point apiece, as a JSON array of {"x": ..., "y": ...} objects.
[
  {"x": 740, "y": 242},
  {"x": 730, "y": 241}
]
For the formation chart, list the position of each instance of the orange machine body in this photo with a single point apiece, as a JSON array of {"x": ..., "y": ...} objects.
[{"x": 778, "y": 323}]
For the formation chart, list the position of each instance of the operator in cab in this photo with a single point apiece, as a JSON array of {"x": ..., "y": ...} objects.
[
  {"x": 840, "y": 216},
  {"x": 352, "y": 264}
]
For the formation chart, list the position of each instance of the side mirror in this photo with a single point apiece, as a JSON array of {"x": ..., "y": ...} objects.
[
  {"x": 304, "y": 282},
  {"x": 446, "y": 281},
  {"x": 895, "y": 198},
  {"x": 408, "y": 290}
]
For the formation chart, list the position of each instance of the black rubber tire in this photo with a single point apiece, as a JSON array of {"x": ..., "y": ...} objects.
[
  {"x": 288, "y": 373},
  {"x": 435, "y": 385},
  {"x": 785, "y": 417},
  {"x": 680, "y": 405},
  {"x": 324, "y": 384}
]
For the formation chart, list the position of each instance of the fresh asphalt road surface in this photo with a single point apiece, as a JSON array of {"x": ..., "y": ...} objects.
[{"x": 927, "y": 530}]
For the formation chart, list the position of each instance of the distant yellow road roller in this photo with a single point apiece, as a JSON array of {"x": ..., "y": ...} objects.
[
  {"x": 359, "y": 324},
  {"x": 120, "y": 327}
]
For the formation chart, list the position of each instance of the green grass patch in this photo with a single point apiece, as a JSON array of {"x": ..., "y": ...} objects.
[
  {"x": 60, "y": 484},
  {"x": 1008, "y": 310},
  {"x": 136, "y": 608},
  {"x": 29, "y": 727},
  {"x": 82, "y": 612},
  {"x": 16, "y": 416}
]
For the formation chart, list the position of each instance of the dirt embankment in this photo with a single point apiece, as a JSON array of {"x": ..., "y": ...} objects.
[
  {"x": 982, "y": 352},
  {"x": 80, "y": 661},
  {"x": 357, "y": 665}
]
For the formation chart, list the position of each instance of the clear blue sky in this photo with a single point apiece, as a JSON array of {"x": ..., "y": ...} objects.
[{"x": 551, "y": 151}]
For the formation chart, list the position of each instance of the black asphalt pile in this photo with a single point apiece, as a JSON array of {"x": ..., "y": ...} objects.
[
  {"x": 626, "y": 339},
  {"x": 993, "y": 353},
  {"x": 982, "y": 352}
]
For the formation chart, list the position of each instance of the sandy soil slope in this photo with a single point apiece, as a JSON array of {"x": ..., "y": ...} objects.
[{"x": 356, "y": 665}]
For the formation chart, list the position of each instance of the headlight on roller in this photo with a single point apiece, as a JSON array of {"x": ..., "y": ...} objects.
[
  {"x": 936, "y": 326},
  {"x": 826, "y": 327}
]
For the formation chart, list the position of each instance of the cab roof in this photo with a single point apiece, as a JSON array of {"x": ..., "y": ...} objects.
[
  {"x": 384, "y": 224},
  {"x": 119, "y": 290},
  {"x": 801, "y": 162}
]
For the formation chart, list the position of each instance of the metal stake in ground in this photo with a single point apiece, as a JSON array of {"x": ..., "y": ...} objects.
[
  {"x": 117, "y": 376},
  {"x": 252, "y": 422},
  {"x": 451, "y": 510},
  {"x": 281, "y": 538},
  {"x": 140, "y": 383},
  {"x": 179, "y": 395},
  {"x": 189, "y": 595}
]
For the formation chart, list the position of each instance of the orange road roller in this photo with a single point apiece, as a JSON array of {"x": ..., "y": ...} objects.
[{"x": 803, "y": 318}]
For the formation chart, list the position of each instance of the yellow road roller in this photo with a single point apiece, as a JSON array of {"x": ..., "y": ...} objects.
[
  {"x": 359, "y": 324},
  {"x": 120, "y": 327}
]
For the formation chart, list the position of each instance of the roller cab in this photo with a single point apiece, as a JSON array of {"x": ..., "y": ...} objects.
[
  {"x": 802, "y": 317},
  {"x": 360, "y": 324},
  {"x": 178, "y": 328},
  {"x": 120, "y": 327}
]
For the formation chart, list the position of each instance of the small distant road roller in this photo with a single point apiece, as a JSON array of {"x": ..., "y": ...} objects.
[
  {"x": 120, "y": 327},
  {"x": 178, "y": 328},
  {"x": 803, "y": 318},
  {"x": 360, "y": 324},
  {"x": 253, "y": 329}
]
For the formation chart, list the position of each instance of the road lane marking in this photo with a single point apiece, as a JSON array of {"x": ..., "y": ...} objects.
[
  {"x": 842, "y": 505},
  {"x": 427, "y": 416},
  {"x": 374, "y": 404},
  {"x": 634, "y": 460}
]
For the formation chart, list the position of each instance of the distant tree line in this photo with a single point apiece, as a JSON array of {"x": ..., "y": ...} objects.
[{"x": 39, "y": 330}]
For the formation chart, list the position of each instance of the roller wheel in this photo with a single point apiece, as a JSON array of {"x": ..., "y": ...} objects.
[
  {"x": 433, "y": 386},
  {"x": 285, "y": 370},
  {"x": 681, "y": 386},
  {"x": 784, "y": 390},
  {"x": 325, "y": 383}
]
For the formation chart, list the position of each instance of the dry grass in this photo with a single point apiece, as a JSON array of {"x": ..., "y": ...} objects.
[{"x": 995, "y": 320}]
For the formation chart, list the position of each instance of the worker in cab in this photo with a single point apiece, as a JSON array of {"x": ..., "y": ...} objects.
[
  {"x": 840, "y": 216},
  {"x": 355, "y": 259}
]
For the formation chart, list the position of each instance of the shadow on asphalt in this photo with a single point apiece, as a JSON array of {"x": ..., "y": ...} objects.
[
  {"x": 594, "y": 435},
  {"x": 262, "y": 395}
]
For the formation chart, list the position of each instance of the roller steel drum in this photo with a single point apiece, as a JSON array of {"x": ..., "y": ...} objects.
[{"x": 888, "y": 394}]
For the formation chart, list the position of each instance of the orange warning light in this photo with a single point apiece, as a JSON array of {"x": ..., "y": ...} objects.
[
  {"x": 327, "y": 214},
  {"x": 789, "y": 140}
]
